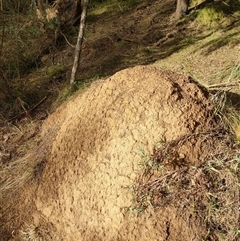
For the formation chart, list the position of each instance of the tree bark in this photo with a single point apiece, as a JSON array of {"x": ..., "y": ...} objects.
[
  {"x": 78, "y": 47},
  {"x": 182, "y": 8}
]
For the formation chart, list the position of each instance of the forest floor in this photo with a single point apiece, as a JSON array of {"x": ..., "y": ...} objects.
[{"x": 40, "y": 155}]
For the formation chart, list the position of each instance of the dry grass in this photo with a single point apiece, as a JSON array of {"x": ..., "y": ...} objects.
[
  {"x": 30, "y": 234},
  {"x": 23, "y": 154},
  {"x": 209, "y": 189},
  {"x": 18, "y": 172}
]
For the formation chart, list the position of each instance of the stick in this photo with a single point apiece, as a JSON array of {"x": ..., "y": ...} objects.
[
  {"x": 225, "y": 84},
  {"x": 28, "y": 111}
]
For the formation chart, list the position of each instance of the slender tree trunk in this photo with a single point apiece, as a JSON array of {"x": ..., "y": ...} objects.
[
  {"x": 182, "y": 8},
  {"x": 78, "y": 47}
]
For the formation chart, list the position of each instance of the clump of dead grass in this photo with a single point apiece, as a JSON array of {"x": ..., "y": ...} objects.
[
  {"x": 30, "y": 234},
  {"x": 228, "y": 112},
  {"x": 26, "y": 164},
  {"x": 24, "y": 153},
  {"x": 18, "y": 172}
]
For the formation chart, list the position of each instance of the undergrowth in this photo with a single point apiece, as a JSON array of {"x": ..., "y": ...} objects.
[
  {"x": 209, "y": 17},
  {"x": 24, "y": 39},
  {"x": 215, "y": 14}
]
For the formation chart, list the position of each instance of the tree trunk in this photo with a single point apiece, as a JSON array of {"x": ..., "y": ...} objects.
[
  {"x": 78, "y": 47},
  {"x": 69, "y": 11},
  {"x": 182, "y": 8}
]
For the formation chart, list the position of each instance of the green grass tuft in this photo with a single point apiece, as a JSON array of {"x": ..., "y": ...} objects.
[{"x": 209, "y": 17}]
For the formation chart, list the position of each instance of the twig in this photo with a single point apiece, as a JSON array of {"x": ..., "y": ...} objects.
[
  {"x": 28, "y": 111},
  {"x": 22, "y": 105},
  {"x": 67, "y": 40},
  {"x": 39, "y": 103},
  {"x": 225, "y": 84}
]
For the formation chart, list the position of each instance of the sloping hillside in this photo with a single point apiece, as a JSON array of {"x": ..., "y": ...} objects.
[{"x": 146, "y": 154}]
